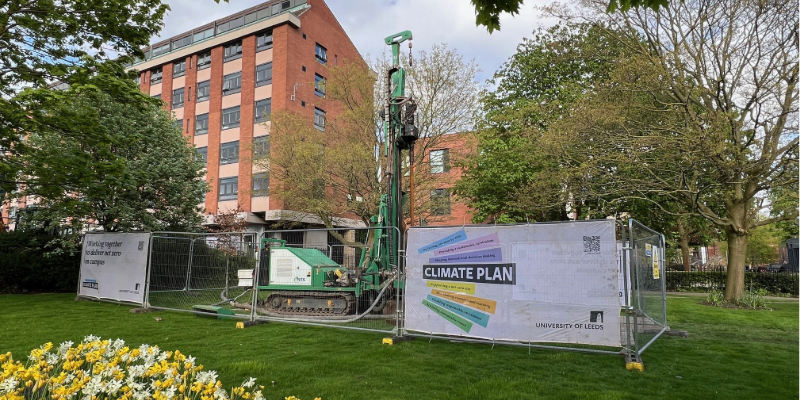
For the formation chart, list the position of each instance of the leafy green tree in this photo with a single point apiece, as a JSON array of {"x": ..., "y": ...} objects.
[
  {"x": 487, "y": 12},
  {"x": 42, "y": 42},
  {"x": 703, "y": 110},
  {"x": 762, "y": 245},
  {"x": 129, "y": 168},
  {"x": 534, "y": 89}
]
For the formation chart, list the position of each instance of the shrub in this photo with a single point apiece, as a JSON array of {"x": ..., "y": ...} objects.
[
  {"x": 753, "y": 299},
  {"x": 771, "y": 283},
  {"x": 715, "y": 297},
  {"x": 36, "y": 261}
]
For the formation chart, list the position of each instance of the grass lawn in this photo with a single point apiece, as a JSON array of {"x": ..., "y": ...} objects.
[{"x": 730, "y": 354}]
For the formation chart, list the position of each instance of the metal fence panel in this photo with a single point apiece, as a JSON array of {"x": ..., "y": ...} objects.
[{"x": 201, "y": 273}]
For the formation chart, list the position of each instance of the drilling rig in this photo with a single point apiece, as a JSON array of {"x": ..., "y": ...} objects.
[{"x": 305, "y": 282}]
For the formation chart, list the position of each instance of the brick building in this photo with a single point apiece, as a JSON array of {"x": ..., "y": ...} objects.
[
  {"x": 222, "y": 79},
  {"x": 436, "y": 204}
]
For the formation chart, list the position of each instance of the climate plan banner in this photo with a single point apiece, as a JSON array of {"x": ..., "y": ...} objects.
[
  {"x": 542, "y": 282},
  {"x": 114, "y": 266}
]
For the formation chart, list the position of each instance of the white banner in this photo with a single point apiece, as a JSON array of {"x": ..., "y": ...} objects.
[
  {"x": 542, "y": 283},
  {"x": 114, "y": 266}
]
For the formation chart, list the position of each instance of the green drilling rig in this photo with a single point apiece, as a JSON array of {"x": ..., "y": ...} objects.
[{"x": 305, "y": 282}]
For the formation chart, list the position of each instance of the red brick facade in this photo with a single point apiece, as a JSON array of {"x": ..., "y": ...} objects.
[
  {"x": 294, "y": 66},
  {"x": 429, "y": 179}
]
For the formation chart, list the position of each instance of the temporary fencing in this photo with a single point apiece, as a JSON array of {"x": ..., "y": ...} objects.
[
  {"x": 591, "y": 286},
  {"x": 201, "y": 273}
]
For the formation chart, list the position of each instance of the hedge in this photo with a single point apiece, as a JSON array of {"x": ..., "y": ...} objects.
[
  {"x": 26, "y": 265},
  {"x": 773, "y": 283}
]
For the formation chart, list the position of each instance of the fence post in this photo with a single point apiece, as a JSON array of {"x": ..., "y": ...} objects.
[
  {"x": 189, "y": 265},
  {"x": 256, "y": 277},
  {"x": 146, "y": 297}
]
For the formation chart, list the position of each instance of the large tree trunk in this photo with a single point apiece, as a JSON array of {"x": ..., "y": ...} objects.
[
  {"x": 684, "y": 241},
  {"x": 737, "y": 251}
]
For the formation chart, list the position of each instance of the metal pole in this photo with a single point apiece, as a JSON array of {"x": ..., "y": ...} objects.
[
  {"x": 663, "y": 280},
  {"x": 189, "y": 265},
  {"x": 256, "y": 273},
  {"x": 146, "y": 297}
]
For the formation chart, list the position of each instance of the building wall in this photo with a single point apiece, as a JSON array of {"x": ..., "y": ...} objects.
[
  {"x": 459, "y": 146},
  {"x": 293, "y": 71}
]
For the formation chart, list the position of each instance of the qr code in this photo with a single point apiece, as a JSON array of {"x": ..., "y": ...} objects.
[{"x": 591, "y": 244}]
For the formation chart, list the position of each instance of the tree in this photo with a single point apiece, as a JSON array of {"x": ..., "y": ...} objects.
[
  {"x": 42, "y": 42},
  {"x": 535, "y": 88},
  {"x": 487, "y": 12},
  {"x": 336, "y": 173},
  {"x": 131, "y": 170},
  {"x": 703, "y": 111}
]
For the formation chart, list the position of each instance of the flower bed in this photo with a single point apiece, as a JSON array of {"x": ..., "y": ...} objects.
[{"x": 98, "y": 369}]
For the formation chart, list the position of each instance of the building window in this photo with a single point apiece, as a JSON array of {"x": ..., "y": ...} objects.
[
  {"x": 155, "y": 75},
  {"x": 182, "y": 42},
  {"x": 230, "y": 117},
  {"x": 233, "y": 51},
  {"x": 263, "y": 109},
  {"x": 202, "y": 155},
  {"x": 179, "y": 69},
  {"x": 440, "y": 161},
  {"x": 440, "y": 202},
  {"x": 264, "y": 41},
  {"x": 201, "y": 124},
  {"x": 230, "y": 25},
  {"x": 178, "y": 123},
  {"x": 261, "y": 184},
  {"x": 260, "y": 147},
  {"x": 163, "y": 49},
  {"x": 203, "y": 91},
  {"x": 204, "y": 60},
  {"x": 319, "y": 85},
  {"x": 229, "y": 153},
  {"x": 156, "y": 96},
  {"x": 264, "y": 74},
  {"x": 232, "y": 83},
  {"x": 321, "y": 54},
  {"x": 228, "y": 188},
  {"x": 319, "y": 119},
  {"x": 202, "y": 35},
  {"x": 177, "y": 98}
]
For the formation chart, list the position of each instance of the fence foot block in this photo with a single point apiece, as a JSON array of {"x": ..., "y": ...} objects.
[
  {"x": 633, "y": 363},
  {"x": 396, "y": 339},
  {"x": 142, "y": 310},
  {"x": 247, "y": 324}
]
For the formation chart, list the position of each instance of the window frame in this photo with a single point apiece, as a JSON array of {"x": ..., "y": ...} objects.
[
  {"x": 182, "y": 72},
  {"x": 176, "y": 93},
  {"x": 203, "y": 57},
  {"x": 265, "y": 45},
  {"x": 260, "y": 117},
  {"x": 204, "y": 152},
  {"x": 230, "y": 158},
  {"x": 445, "y": 161},
  {"x": 197, "y": 119},
  {"x": 159, "y": 75},
  {"x": 203, "y": 85},
  {"x": 317, "y": 113},
  {"x": 235, "y": 77},
  {"x": 319, "y": 89},
  {"x": 234, "y": 194},
  {"x": 321, "y": 56},
  {"x": 230, "y": 110},
  {"x": 438, "y": 197},
  {"x": 230, "y": 57},
  {"x": 262, "y": 68},
  {"x": 261, "y": 146},
  {"x": 263, "y": 179}
]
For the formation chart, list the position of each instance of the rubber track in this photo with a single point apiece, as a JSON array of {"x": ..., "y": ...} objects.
[{"x": 295, "y": 295}]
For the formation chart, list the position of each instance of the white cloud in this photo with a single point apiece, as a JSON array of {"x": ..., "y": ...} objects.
[{"x": 367, "y": 22}]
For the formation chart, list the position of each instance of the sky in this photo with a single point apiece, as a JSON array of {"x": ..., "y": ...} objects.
[{"x": 367, "y": 22}]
